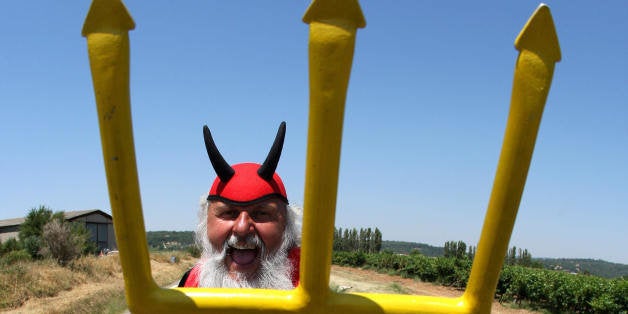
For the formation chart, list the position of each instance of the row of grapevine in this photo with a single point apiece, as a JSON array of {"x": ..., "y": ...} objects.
[
  {"x": 551, "y": 290},
  {"x": 563, "y": 292},
  {"x": 446, "y": 271}
]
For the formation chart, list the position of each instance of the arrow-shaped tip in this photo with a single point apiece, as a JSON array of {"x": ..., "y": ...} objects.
[
  {"x": 107, "y": 15},
  {"x": 348, "y": 10},
  {"x": 539, "y": 35}
]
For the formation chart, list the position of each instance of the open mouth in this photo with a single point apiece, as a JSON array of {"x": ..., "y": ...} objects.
[{"x": 242, "y": 256}]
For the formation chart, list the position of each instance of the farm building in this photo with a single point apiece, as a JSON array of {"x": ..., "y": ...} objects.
[{"x": 99, "y": 224}]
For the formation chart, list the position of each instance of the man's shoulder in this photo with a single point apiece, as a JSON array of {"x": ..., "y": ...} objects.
[
  {"x": 190, "y": 278},
  {"x": 294, "y": 256},
  {"x": 294, "y": 253}
]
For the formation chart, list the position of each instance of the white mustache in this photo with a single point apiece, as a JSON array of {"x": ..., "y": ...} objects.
[{"x": 248, "y": 243}]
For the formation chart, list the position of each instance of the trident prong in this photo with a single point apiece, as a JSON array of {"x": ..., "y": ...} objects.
[
  {"x": 106, "y": 28},
  {"x": 333, "y": 26},
  {"x": 539, "y": 51}
]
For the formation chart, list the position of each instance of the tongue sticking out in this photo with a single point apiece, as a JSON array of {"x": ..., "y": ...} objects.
[{"x": 243, "y": 257}]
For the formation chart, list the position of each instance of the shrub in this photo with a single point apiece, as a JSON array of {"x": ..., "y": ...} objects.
[
  {"x": 63, "y": 241},
  {"x": 194, "y": 250},
  {"x": 422, "y": 267},
  {"x": 605, "y": 304},
  {"x": 13, "y": 257},
  {"x": 10, "y": 245},
  {"x": 446, "y": 269},
  {"x": 354, "y": 259},
  {"x": 32, "y": 229},
  {"x": 32, "y": 245},
  {"x": 619, "y": 292},
  {"x": 461, "y": 272}
]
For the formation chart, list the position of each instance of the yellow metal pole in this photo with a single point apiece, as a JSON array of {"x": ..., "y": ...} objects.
[
  {"x": 539, "y": 51},
  {"x": 106, "y": 28},
  {"x": 333, "y": 27}
]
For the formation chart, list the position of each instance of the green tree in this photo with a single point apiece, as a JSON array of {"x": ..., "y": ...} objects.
[
  {"x": 363, "y": 241},
  {"x": 368, "y": 247},
  {"x": 377, "y": 241},
  {"x": 337, "y": 235},
  {"x": 471, "y": 252},
  {"x": 461, "y": 250},
  {"x": 457, "y": 250},
  {"x": 353, "y": 240},
  {"x": 450, "y": 249},
  {"x": 32, "y": 229},
  {"x": 511, "y": 256},
  {"x": 345, "y": 240}
]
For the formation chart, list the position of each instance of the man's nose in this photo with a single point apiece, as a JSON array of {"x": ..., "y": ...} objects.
[{"x": 243, "y": 225}]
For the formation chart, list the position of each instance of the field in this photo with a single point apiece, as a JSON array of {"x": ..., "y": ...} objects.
[
  {"x": 95, "y": 284},
  {"x": 90, "y": 285},
  {"x": 349, "y": 279}
]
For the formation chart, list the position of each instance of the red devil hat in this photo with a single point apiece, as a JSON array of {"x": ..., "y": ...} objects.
[{"x": 246, "y": 183}]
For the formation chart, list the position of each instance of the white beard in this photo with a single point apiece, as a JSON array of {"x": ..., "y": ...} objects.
[{"x": 274, "y": 272}]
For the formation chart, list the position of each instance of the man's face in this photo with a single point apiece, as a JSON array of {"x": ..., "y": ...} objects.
[{"x": 266, "y": 219}]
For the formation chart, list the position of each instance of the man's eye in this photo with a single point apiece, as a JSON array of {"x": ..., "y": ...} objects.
[
  {"x": 230, "y": 214},
  {"x": 260, "y": 215}
]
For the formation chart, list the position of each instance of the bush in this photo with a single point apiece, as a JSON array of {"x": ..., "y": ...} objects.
[
  {"x": 605, "y": 304},
  {"x": 194, "y": 250},
  {"x": 446, "y": 270},
  {"x": 619, "y": 292},
  {"x": 62, "y": 241},
  {"x": 10, "y": 245},
  {"x": 32, "y": 245},
  {"x": 353, "y": 259},
  {"x": 421, "y": 267},
  {"x": 14, "y": 257}
]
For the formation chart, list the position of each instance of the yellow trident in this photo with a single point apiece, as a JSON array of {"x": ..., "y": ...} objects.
[{"x": 333, "y": 26}]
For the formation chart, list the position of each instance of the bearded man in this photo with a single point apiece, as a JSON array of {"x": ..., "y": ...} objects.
[{"x": 248, "y": 232}]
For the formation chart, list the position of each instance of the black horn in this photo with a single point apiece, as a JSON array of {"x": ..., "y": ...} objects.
[
  {"x": 222, "y": 168},
  {"x": 267, "y": 169}
]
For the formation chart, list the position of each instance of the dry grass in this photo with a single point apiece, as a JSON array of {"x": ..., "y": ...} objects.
[
  {"x": 162, "y": 267},
  {"x": 87, "y": 285}
]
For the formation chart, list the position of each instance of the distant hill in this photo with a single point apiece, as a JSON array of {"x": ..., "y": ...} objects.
[
  {"x": 402, "y": 247},
  {"x": 572, "y": 265},
  {"x": 586, "y": 266},
  {"x": 169, "y": 240}
]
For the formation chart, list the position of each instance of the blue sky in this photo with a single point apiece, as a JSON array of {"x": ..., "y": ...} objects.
[{"x": 424, "y": 121}]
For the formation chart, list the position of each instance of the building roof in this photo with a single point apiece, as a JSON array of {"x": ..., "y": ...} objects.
[
  {"x": 69, "y": 215},
  {"x": 11, "y": 222}
]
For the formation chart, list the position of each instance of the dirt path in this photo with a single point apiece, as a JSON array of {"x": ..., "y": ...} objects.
[{"x": 347, "y": 279}]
